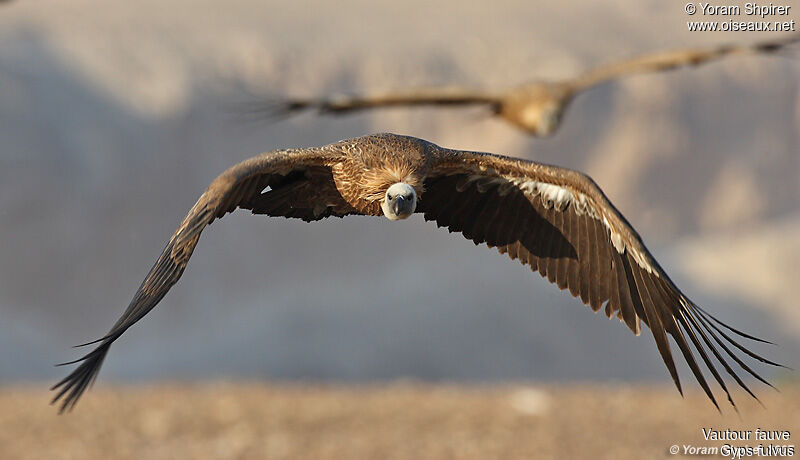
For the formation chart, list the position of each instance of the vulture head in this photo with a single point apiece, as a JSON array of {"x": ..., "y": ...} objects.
[{"x": 399, "y": 202}]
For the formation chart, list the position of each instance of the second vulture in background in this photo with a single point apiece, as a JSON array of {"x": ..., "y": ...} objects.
[{"x": 536, "y": 107}]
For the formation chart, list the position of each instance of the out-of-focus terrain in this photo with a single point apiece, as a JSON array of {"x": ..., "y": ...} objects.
[
  {"x": 115, "y": 117},
  {"x": 398, "y": 421}
]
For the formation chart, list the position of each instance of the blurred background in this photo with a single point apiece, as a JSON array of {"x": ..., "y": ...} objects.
[{"x": 115, "y": 117}]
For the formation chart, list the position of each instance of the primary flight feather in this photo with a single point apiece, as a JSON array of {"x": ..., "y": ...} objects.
[
  {"x": 555, "y": 220},
  {"x": 536, "y": 107}
]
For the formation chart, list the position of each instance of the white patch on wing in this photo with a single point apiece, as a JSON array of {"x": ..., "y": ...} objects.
[
  {"x": 553, "y": 196},
  {"x": 616, "y": 240},
  {"x": 558, "y": 197},
  {"x": 582, "y": 206}
]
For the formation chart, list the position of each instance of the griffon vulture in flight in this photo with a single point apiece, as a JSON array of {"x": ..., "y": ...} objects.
[
  {"x": 536, "y": 107},
  {"x": 555, "y": 220}
]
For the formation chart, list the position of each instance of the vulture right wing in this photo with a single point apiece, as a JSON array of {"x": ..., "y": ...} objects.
[
  {"x": 560, "y": 223},
  {"x": 670, "y": 60}
]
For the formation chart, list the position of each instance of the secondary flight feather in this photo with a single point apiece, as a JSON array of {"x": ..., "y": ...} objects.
[
  {"x": 536, "y": 107},
  {"x": 554, "y": 220}
]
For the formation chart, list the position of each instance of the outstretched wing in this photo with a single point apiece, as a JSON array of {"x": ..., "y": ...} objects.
[
  {"x": 670, "y": 60},
  {"x": 560, "y": 223},
  {"x": 346, "y": 103},
  {"x": 292, "y": 183}
]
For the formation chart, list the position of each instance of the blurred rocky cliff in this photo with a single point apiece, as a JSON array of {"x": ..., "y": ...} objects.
[{"x": 115, "y": 117}]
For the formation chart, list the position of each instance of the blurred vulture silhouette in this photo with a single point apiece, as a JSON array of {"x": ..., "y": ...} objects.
[
  {"x": 556, "y": 221},
  {"x": 536, "y": 107}
]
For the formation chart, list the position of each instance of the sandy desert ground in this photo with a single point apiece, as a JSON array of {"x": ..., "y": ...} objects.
[{"x": 401, "y": 420}]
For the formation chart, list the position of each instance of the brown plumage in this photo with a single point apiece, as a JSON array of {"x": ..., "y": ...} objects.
[
  {"x": 536, "y": 107},
  {"x": 555, "y": 220}
]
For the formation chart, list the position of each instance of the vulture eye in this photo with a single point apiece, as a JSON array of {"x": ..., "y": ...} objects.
[{"x": 389, "y": 197}]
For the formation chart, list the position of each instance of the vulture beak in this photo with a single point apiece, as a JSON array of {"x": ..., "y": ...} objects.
[{"x": 399, "y": 205}]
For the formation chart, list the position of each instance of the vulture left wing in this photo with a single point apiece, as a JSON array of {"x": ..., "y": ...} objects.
[
  {"x": 339, "y": 104},
  {"x": 560, "y": 223},
  {"x": 293, "y": 183}
]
